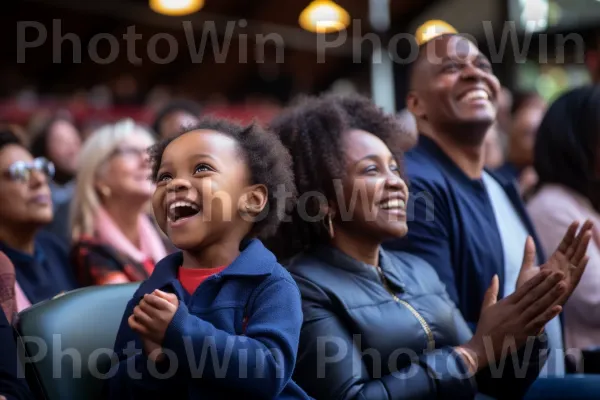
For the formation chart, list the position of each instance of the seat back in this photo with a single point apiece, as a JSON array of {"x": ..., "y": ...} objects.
[{"x": 68, "y": 341}]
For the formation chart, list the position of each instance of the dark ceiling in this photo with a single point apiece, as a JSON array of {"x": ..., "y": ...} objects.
[{"x": 52, "y": 66}]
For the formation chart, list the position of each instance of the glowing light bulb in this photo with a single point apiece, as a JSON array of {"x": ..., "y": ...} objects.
[
  {"x": 176, "y": 8},
  {"x": 431, "y": 29},
  {"x": 324, "y": 16}
]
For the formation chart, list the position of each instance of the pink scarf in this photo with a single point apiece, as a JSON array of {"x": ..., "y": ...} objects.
[
  {"x": 151, "y": 245},
  {"x": 21, "y": 299}
]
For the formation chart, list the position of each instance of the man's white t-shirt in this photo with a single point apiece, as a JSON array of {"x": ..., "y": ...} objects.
[{"x": 513, "y": 234}]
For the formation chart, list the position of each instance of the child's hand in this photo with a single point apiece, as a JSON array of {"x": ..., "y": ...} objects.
[
  {"x": 153, "y": 314},
  {"x": 170, "y": 297},
  {"x": 153, "y": 350}
]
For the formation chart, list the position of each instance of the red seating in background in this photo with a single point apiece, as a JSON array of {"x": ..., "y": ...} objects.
[{"x": 14, "y": 112}]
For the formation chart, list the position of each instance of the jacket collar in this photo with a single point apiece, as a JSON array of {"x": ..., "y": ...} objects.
[
  {"x": 450, "y": 167},
  {"x": 435, "y": 152},
  {"x": 509, "y": 185},
  {"x": 254, "y": 260},
  {"x": 338, "y": 259}
]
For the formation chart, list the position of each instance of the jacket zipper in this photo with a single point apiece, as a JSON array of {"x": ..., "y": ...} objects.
[{"x": 419, "y": 317}]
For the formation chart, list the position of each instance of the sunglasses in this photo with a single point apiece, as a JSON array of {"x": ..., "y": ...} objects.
[{"x": 22, "y": 170}]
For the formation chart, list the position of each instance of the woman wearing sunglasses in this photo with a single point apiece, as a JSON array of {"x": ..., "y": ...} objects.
[
  {"x": 115, "y": 240},
  {"x": 41, "y": 262}
]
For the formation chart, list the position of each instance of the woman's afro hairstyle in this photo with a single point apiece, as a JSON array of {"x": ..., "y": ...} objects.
[{"x": 313, "y": 132}]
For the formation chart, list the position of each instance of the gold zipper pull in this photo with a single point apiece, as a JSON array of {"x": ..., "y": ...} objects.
[{"x": 413, "y": 311}]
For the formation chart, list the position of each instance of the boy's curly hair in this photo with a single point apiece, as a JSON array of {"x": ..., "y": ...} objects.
[{"x": 268, "y": 161}]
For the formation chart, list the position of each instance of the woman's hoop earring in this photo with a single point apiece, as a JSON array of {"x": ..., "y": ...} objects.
[{"x": 329, "y": 223}]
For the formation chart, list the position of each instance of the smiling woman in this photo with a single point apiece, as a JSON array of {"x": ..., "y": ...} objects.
[{"x": 360, "y": 300}]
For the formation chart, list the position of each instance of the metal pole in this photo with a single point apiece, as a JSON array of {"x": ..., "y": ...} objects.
[{"x": 382, "y": 68}]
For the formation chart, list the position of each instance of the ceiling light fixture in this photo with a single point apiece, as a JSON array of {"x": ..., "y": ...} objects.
[
  {"x": 176, "y": 8},
  {"x": 324, "y": 16}
]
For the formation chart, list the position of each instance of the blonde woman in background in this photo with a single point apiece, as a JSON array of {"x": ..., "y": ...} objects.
[{"x": 114, "y": 238}]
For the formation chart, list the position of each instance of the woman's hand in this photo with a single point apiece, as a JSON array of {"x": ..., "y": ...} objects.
[
  {"x": 514, "y": 319},
  {"x": 569, "y": 258},
  {"x": 541, "y": 293}
]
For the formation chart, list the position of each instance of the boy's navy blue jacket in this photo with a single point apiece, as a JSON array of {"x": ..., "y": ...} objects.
[{"x": 236, "y": 336}]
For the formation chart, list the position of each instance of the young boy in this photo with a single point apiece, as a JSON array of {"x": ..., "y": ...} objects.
[{"x": 221, "y": 318}]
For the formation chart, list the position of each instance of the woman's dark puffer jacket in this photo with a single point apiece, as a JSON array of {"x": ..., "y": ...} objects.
[{"x": 388, "y": 332}]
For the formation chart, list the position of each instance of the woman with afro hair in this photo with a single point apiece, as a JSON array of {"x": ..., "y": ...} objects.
[{"x": 379, "y": 324}]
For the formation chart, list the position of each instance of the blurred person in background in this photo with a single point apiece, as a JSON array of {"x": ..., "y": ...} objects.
[
  {"x": 90, "y": 125},
  {"x": 59, "y": 142},
  {"x": 527, "y": 113},
  {"x": 494, "y": 155},
  {"x": 592, "y": 54},
  {"x": 504, "y": 118},
  {"x": 18, "y": 131},
  {"x": 126, "y": 91},
  {"x": 41, "y": 262},
  {"x": 408, "y": 125},
  {"x": 158, "y": 97},
  {"x": 114, "y": 238},
  {"x": 568, "y": 166},
  {"x": 175, "y": 116}
]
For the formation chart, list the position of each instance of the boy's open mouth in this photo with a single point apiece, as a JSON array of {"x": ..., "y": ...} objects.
[{"x": 180, "y": 210}]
